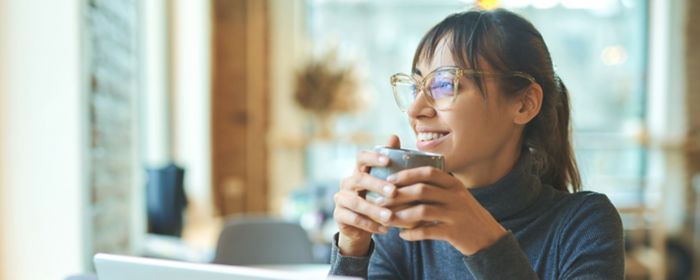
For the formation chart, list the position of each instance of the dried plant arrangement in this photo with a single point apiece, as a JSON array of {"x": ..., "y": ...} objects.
[{"x": 325, "y": 87}]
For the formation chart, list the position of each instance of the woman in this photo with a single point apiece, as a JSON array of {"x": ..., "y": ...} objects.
[{"x": 484, "y": 94}]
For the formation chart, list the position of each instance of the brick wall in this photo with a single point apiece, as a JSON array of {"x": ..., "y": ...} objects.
[{"x": 111, "y": 35}]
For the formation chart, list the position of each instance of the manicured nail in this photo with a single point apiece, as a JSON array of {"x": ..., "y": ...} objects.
[
  {"x": 379, "y": 200},
  {"x": 383, "y": 160},
  {"x": 388, "y": 189},
  {"x": 391, "y": 178},
  {"x": 384, "y": 215}
]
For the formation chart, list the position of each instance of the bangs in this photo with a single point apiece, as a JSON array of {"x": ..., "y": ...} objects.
[{"x": 466, "y": 37}]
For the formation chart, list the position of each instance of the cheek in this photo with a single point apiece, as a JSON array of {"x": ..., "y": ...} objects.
[
  {"x": 469, "y": 130},
  {"x": 478, "y": 129},
  {"x": 476, "y": 134},
  {"x": 470, "y": 124}
]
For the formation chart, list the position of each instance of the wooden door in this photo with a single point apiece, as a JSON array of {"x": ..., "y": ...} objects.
[{"x": 239, "y": 106}]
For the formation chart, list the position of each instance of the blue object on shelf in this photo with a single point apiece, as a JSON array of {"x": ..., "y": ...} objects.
[{"x": 165, "y": 199}]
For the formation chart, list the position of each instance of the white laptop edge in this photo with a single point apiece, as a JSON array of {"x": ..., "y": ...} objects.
[{"x": 129, "y": 267}]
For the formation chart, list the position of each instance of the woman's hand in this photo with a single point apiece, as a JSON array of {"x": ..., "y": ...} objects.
[
  {"x": 441, "y": 208},
  {"x": 357, "y": 218}
]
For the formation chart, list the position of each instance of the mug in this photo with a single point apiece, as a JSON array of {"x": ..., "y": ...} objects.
[{"x": 400, "y": 159}]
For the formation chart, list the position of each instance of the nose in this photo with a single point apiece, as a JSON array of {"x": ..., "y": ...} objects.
[{"x": 421, "y": 108}]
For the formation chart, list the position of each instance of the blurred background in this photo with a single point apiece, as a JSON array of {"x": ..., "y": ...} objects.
[{"x": 149, "y": 127}]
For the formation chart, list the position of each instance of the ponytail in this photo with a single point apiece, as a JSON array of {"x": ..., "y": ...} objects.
[
  {"x": 548, "y": 139},
  {"x": 564, "y": 168}
]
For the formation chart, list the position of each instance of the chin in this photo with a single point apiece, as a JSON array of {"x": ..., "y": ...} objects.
[{"x": 456, "y": 164}]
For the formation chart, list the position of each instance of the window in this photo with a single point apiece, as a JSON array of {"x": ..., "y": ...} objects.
[{"x": 598, "y": 48}]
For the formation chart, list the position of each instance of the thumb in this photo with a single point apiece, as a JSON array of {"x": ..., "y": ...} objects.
[{"x": 393, "y": 142}]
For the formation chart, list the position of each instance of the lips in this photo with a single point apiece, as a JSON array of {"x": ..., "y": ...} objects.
[{"x": 429, "y": 139}]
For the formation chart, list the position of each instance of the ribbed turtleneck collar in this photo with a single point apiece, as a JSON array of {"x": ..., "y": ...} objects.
[{"x": 511, "y": 194}]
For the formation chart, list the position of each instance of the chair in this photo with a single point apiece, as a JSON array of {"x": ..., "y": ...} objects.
[{"x": 263, "y": 241}]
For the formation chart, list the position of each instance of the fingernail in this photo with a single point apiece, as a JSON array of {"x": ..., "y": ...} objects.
[
  {"x": 384, "y": 160},
  {"x": 388, "y": 189},
  {"x": 379, "y": 200},
  {"x": 384, "y": 215},
  {"x": 391, "y": 178}
]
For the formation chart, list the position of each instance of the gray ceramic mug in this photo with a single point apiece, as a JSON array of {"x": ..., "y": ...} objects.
[{"x": 401, "y": 159}]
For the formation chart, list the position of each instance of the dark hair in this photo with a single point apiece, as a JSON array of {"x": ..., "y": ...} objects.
[{"x": 508, "y": 42}]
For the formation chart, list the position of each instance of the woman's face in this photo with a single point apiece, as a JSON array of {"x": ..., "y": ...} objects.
[{"x": 476, "y": 135}]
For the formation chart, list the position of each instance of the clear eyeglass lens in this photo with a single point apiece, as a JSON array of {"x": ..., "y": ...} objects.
[
  {"x": 405, "y": 92},
  {"x": 442, "y": 88}
]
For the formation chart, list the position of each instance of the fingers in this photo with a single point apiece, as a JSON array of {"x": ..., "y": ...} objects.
[
  {"x": 425, "y": 174},
  {"x": 346, "y": 217},
  {"x": 417, "y": 193},
  {"x": 367, "y": 159},
  {"x": 416, "y": 215},
  {"x": 363, "y": 181},
  {"x": 434, "y": 231},
  {"x": 393, "y": 142},
  {"x": 352, "y": 202}
]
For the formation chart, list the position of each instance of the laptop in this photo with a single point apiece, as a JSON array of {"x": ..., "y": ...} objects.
[{"x": 117, "y": 267}]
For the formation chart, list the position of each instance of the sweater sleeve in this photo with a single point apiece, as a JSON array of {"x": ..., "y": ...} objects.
[
  {"x": 591, "y": 243},
  {"x": 348, "y": 265},
  {"x": 502, "y": 260},
  {"x": 383, "y": 261}
]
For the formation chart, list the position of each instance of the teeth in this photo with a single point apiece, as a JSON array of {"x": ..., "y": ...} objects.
[{"x": 427, "y": 136}]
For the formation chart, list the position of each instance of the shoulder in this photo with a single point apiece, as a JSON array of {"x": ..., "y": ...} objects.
[
  {"x": 570, "y": 209},
  {"x": 589, "y": 214},
  {"x": 588, "y": 204},
  {"x": 590, "y": 237},
  {"x": 587, "y": 201}
]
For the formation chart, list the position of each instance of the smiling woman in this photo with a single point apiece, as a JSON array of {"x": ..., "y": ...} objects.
[{"x": 484, "y": 94}]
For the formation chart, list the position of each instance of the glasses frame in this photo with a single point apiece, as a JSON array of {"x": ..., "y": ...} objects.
[{"x": 422, "y": 88}]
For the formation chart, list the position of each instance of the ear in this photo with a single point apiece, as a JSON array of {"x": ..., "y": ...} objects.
[{"x": 529, "y": 104}]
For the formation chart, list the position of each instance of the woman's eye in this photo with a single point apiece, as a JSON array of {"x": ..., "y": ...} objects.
[
  {"x": 441, "y": 89},
  {"x": 442, "y": 85}
]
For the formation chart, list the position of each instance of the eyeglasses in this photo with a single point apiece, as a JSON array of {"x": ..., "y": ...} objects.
[{"x": 441, "y": 86}]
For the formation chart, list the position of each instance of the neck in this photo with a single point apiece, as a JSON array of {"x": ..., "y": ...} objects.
[{"x": 487, "y": 172}]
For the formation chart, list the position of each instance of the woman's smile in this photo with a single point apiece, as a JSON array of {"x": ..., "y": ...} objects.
[{"x": 429, "y": 139}]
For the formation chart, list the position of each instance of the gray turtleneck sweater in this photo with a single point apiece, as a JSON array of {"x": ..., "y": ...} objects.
[{"x": 552, "y": 235}]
